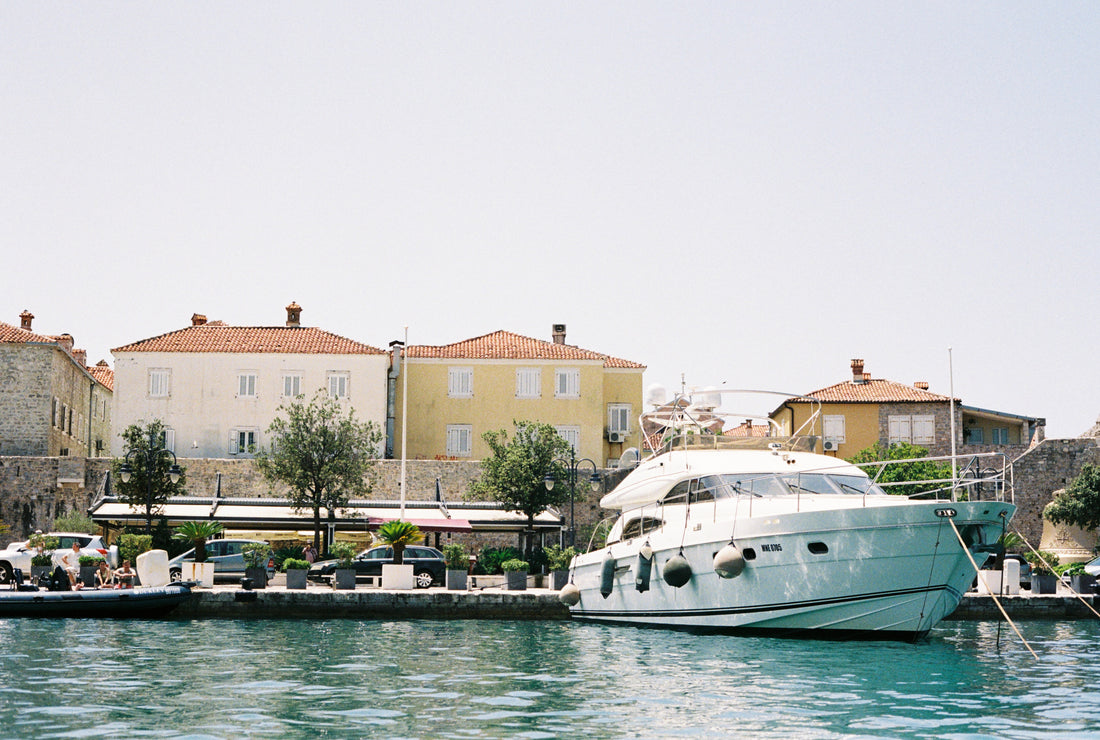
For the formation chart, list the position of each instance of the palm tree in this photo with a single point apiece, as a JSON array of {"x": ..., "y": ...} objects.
[
  {"x": 397, "y": 534},
  {"x": 197, "y": 533}
]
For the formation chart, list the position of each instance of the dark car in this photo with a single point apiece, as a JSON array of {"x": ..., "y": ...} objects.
[{"x": 427, "y": 562}]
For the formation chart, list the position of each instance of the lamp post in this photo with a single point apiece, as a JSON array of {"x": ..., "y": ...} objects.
[
  {"x": 572, "y": 465},
  {"x": 149, "y": 456}
]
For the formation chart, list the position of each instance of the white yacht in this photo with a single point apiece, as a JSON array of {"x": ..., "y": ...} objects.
[{"x": 763, "y": 535}]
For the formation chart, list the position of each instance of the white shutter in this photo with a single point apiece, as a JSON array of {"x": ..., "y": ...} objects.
[
  {"x": 900, "y": 429},
  {"x": 924, "y": 430},
  {"x": 233, "y": 442}
]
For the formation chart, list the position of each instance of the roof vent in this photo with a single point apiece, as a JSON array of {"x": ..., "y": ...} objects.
[
  {"x": 197, "y": 319},
  {"x": 293, "y": 314},
  {"x": 25, "y": 320},
  {"x": 558, "y": 333}
]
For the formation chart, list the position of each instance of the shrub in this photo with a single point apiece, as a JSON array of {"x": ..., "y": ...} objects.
[
  {"x": 256, "y": 554},
  {"x": 295, "y": 564},
  {"x": 1038, "y": 567},
  {"x": 456, "y": 557},
  {"x": 344, "y": 552},
  {"x": 75, "y": 521},
  {"x": 558, "y": 558},
  {"x": 90, "y": 560},
  {"x": 490, "y": 558},
  {"x": 515, "y": 565},
  {"x": 132, "y": 545},
  {"x": 1071, "y": 569}
]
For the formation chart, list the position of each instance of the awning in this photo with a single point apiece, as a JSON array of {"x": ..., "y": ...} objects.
[{"x": 279, "y": 515}]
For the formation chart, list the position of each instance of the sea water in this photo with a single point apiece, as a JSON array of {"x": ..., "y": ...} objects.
[{"x": 478, "y": 679}]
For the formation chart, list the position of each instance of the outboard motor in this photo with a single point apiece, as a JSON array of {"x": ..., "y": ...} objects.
[{"x": 58, "y": 580}]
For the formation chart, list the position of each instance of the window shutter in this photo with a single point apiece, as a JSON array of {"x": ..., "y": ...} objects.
[{"x": 233, "y": 443}]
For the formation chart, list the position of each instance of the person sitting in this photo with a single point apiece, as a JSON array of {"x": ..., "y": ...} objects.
[
  {"x": 71, "y": 563},
  {"x": 103, "y": 578},
  {"x": 125, "y": 575}
]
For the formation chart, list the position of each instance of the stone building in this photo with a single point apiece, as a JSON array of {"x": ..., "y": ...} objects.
[{"x": 51, "y": 402}]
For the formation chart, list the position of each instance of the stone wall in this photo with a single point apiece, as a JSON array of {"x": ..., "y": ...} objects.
[
  {"x": 24, "y": 399},
  {"x": 1041, "y": 471},
  {"x": 31, "y": 497}
]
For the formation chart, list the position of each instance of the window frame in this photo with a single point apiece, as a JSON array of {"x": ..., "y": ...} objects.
[
  {"x": 294, "y": 378},
  {"x": 829, "y": 425},
  {"x": 460, "y": 382},
  {"x": 247, "y": 384},
  {"x": 155, "y": 379},
  {"x": 341, "y": 378},
  {"x": 571, "y": 433},
  {"x": 567, "y": 382},
  {"x": 528, "y": 382},
  {"x": 463, "y": 436},
  {"x": 619, "y": 412}
]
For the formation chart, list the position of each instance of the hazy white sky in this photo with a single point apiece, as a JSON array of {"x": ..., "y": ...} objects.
[{"x": 747, "y": 193}]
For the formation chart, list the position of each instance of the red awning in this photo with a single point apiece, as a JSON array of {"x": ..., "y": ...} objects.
[{"x": 442, "y": 524}]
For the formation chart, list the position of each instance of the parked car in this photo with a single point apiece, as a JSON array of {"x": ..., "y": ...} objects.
[
  {"x": 227, "y": 557},
  {"x": 1025, "y": 567},
  {"x": 428, "y": 564},
  {"x": 1092, "y": 567},
  {"x": 19, "y": 554}
]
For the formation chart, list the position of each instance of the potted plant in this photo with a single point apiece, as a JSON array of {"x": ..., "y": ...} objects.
[
  {"x": 296, "y": 571},
  {"x": 515, "y": 574},
  {"x": 197, "y": 533},
  {"x": 88, "y": 566},
  {"x": 344, "y": 575},
  {"x": 42, "y": 560},
  {"x": 1080, "y": 581},
  {"x": 256, "y": 555},
  {"x": 1043, "y": 579},
  {"x": 397, "y": 534},
  {"x": 558, "y": 560},
  {"x": 458, "y": 562}
]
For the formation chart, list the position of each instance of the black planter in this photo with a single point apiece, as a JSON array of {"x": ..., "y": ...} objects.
[
  {"x": 456, "y": 580},
  {"x": 1083, "y": 584},
  {"x": 516, "y": 580},
  {"x": 296, "y": 579},
  {"x": 258, "y": 576},
  {"x": 1044, "y": 584},
  {"x": 558, "y": 579}
]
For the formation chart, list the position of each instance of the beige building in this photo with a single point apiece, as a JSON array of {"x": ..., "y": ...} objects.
[
  {"x": 459, "y": 391},
  {"x": 51, "y": 402},
  {"x": 218, "y": 387}
]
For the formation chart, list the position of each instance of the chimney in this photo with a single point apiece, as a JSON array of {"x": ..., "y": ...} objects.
[
  {"x": 293, "y": 314},
  {"x": 857, "y": 371},
  {"x": 559, "y": 333},
  {"x": 81, "y": 356},
  {"x": 66, "y": 342},
  {"x": 25, "y": 320},
  {"x": 921, "y": 384},
  {"x": 197, "y": 319}
]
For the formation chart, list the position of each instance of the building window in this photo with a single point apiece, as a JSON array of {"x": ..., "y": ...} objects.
[
  {"x": 242, "y": 442},
  {"x": 338, "y": 385},
  {"x": 900, "y": 429},
  {"x": 920, "y": 430},
  {"x": 246, "y": 385},
  {"x": 1000, "y": 436},
  {"x": 460, "y": 382},
  {"x": 571, "y": 434},
  {"x": 528, "y": 382},
  {"x": 974, "y": 436},
  {"x": 833, "y": 427},
  {"x": 158, "y": 383},
  {"x": 168, "y": 440},
  {"x": 618, "y": 417},
  {"x": 292, "y": 386},
  {"x": 567, "y": 382},
  {"x": 459, "y": 439}
]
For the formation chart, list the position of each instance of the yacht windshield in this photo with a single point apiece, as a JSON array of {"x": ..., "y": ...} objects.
[
  {"x": 856, "y": 484},
  {"x": 809, "y": 483},
  {"x": 755, "y": 484}
]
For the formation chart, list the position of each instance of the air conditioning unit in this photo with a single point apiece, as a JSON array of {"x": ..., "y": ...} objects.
[
  {"x": 831, "y": 445},
  {"x": 616, "y": 437}
]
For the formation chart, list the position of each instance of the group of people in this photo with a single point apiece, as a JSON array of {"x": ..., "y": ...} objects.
[{"x": 122, "y": 577}]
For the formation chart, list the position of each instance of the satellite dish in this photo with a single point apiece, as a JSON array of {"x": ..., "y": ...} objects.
[
  {"x": 629, "y": 458},
  {"x": 656, "y": 395}
]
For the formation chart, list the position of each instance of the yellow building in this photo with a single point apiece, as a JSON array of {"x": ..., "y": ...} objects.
[
  {"x": 857, "y": 413},
  {"x": 457, "y": 392}
]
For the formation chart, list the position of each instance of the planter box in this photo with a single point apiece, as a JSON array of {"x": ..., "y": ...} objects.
[
  {"x": 258, "y": 576},
  {"x": 1045, "y": 584},
  {"x": 398, "y": 577},
  {"x": 344, "y": 578},
  {"x": 37, "y": 571},
  {"x": 516, "y": 580},
  {"x": 1083, "y": 584},
  {"x": 87, "y": 575},
  {"x": 559, "y": 579},
  {"x": 296, "y": 578},
  {"x": 456, "y": 580}
]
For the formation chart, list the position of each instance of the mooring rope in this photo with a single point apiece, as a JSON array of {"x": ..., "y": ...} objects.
[
  {"x": 1039, "y": 555},
  {"x": 996, "y": 601}
]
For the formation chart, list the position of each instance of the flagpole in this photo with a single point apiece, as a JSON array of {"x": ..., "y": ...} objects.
[
  {"x": 404, "y": 414},
  {"x": 954, "y": 461}
]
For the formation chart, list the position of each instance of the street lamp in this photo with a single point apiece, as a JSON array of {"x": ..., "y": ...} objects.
[
  {"x": 151, "y": 454},
  {"x": 572, "y": 465}
]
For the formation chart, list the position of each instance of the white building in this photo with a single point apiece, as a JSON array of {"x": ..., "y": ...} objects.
[{"x": 217, "y": 388}]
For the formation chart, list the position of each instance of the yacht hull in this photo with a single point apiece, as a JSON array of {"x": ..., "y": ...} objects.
[{"x": 888, "y": 571}]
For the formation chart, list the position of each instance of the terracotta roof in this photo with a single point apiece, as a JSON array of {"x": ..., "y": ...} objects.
[
  {"x": 216, "y": 337},
  {"x": 504, "y": 345},
  {"x": 9, "y": 333},
  {"x": 873, "y": 390},
  {"x": 103, "y": 375}
]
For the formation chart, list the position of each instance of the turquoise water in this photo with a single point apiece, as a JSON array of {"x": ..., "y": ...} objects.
[{"x": 420, "y": 679}]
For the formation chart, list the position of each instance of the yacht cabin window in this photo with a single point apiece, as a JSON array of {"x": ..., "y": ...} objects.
[{"x": 641, "y": 525}]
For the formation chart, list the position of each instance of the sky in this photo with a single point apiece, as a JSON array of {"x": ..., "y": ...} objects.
[{"x": 737, "y": 194}]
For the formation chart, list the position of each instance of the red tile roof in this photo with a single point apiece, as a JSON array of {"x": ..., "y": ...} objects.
[
  {"x": 217, "y": 337},
  {"x": 504, "y": 345},
  {"x": 874, "y": 390},
  {"x": 103, "y": 375},
  {"x": 9, "y": 333}
]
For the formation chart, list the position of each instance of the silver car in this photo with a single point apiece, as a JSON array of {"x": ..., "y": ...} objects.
[{"x": 227, "y": 557}]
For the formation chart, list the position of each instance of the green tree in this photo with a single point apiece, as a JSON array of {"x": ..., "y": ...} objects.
[
  {"x": 1078, "y": 504},
  {"x": 149, "y": 465},
  {"x": 322, "y": 454},
  {"x": 899, "y": 471},
  {"x": 75, "y": 521},
  {"x": 397, "y": 534},
  {"x": 514, "y": 471}
]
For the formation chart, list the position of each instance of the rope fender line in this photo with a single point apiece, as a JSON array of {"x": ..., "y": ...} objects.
[
  {"x": 996, "y": 601},
  {"x": 1044, "y": 561}
]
